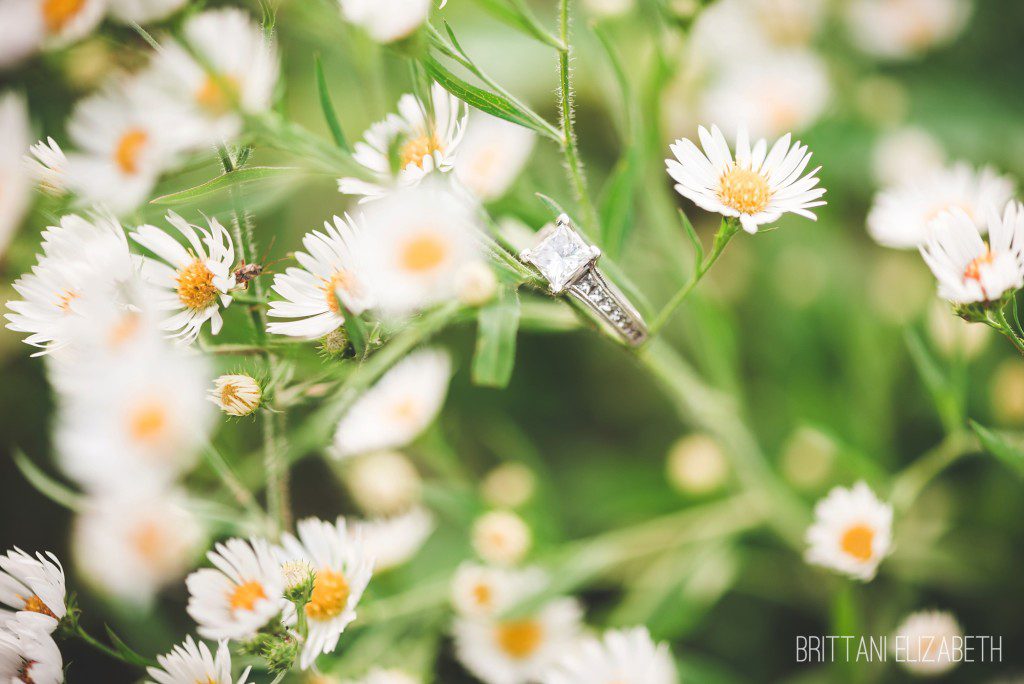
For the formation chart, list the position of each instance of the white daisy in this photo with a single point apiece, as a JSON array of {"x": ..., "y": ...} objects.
[
  {"x": 620, "y": 656},
  {"x": 331, "y": 271},
  {"x": 82, "y": 260},
  {"x": 395, "y": 540},
  {"x": 481, "y": 591},
  {"x": 46, "y": 163},
  {"x": 236, "y": 395},
  {"x": 383, "y": 483},
  {"x": 381, "y": 676},
  {"x": 415, "y": 244},
  {"x": 140, "y": 418},
  {"x": 852, "y": 532},
  {"x": 193, "y": 283},
  {"x": 517, "y": 650},
  {"x": 398, "y": 408},
  {"x": 899, "y": 29},
  {"x": 15, "y": 185},
  {"x": 501, "y": 537},
  {"x": 193, "y": 663},
  {"x": 900, "y": 215},
  {"x": 924, "y": 642},
  {"x": 241, "y": 595},
  {"x": 29, "y": 654},
  {"x": 778, "y": 92},
  {"x": 28, "y": 25},
  {"x": 33, "y": 588},
  {"x": 243, "y": 62},
  {"x": 386, "y": 20},
  {"x": 405, "y": 148},
  {"x": 758, "y": 187},
  {"x": 904, "y": 154},
  {"x": 127, "y": 134},
  {"x": 968, "y": 268},
  {"x": 492, "y": 154},
  {"x": 343, "y": 570},
  {"x": 143, "y": 11},
  {"x": 730, "y": 32},
  {"x": 132, "y": 544}
]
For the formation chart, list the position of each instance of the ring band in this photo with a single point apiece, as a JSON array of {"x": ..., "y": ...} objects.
[{"x": 569, "y": 264}]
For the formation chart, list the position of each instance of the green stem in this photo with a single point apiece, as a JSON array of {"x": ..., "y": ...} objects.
[
  {"x": 1006, "y": 329},
  {"x": 912, "y": 481},
  {"x": 573, "y": 162},
  {"x": 242, "y": 495}
]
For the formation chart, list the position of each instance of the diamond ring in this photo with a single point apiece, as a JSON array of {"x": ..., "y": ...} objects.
[{"x": 569, "y": 264}]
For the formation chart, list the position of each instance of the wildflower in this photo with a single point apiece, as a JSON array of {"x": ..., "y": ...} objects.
[
  {"x": 191, "y": 283},
  {"x": 925, "y": 640},
  {"x": 414, "y": 246},
  {"x": 758, "y": 187},
  {"x": 492, "y": 154},
  {"x": 28, "y": 25},
  {"x": 618, "y": 656},
  {"x": 404, "y": 149},
  {"x": 969, "y": 269},
  {"x": 398, "y": 408},
  {"x": 901, "y": 29},
  {"x": 46, "y": 164},
  {"x": 240, "y": 595},
  {"x": 33, "y": 587},
  {"x": 900, "y": 216},
  {"x": 383, "y": 483},
  {"x": 509, "y": 485},
  {"x": 395, "y": 540},
  {"x": 501, "y": 537},
  {"x": 852, "y": 532},
  {"x": 343, "y": 570},
  {"x": 331, "y": 276},
  {"x": 29, "y": 654},
  {"x": 236, "y": 395},
  {"x": 386, "y": 20},
  {"x": 481, "y": 591},
  {"x": 191, "y": 662},
  {"x": 696, "y": 465},
  {"x": 15, "y": 186}
]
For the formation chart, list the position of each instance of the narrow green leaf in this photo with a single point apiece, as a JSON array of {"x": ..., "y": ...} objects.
[
  {"x": 488, "y": 102},
  {"x": 228, "y": 180},
  {"x": 551, "y": 204},
  {"x": 355, "y": 328},
  {"x": 997, "y": 445},
  {"x": 617, "y": 206},
  {"x": 517, "y": 14},
  {"x": 46, "y": 485},
  {"x": 698, "y": 246},
  {"x": 498, "y": 325},
  {"x": 947, "y": 400},
  {"x": 330, "y": 115}
]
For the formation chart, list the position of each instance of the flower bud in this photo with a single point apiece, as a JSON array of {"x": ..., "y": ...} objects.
[
  {"x": 510, "y": 485},
  {"x": 299, "y": 578},
  {"x": 696, "y": 465},
  {"x": 501, "y": 538},
  {"x": 384, "y": 483},
  {"x": 236, "y": 395}
]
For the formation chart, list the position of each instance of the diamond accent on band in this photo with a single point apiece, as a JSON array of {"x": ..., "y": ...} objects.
[{"x": 600, "y": 295}]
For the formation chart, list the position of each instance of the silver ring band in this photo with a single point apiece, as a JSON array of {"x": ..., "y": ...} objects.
[{"x": 569, "y": 264}]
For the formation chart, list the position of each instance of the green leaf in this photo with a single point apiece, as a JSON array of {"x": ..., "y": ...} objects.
[
  {"x": 330, "y": 115},
  {"x": 947, "y": 399},
  {"x": 46, "y": 485},
  {"x": 225, "y": 181},
  {"x": 617, "y": 206},
  {"x": 517, "y": 14},
  {"x": 551, "y": 204},
  {"x": 997, "y": 445},
  {"x": 498, "y": 325},
  {"x": 698, "y": 246},
  {"x": 488, "y": 102}
]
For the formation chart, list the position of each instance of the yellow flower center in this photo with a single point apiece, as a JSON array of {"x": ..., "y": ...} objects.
[
  {"x": 519, "y": 638},
  {"x": 245, "y": 595},
  {"x": 217, "y": 94},
  {"x": 423, "y": 253},
  {"x": 340, "y": 280},
  {"x": 330, "y": 594},
  {"x": 148, "y": 422},
  {"x": 125, "y": 329},
  {"x": 195, "y": 286},
  {"x": 405, "y": 411},
  {"x": 973, "y": 270},
  {"x": 150, "y": 542},
  {"x": 415, "y": 150},
  {"x": 857, "y": 542},
  {"x": 744, "y": 190},
  {"x": 34, "y": 604},
  {"x": 483, "y": 595},
  {"x": 57, "y": 13},
  {"x": 129, "y": 148}
]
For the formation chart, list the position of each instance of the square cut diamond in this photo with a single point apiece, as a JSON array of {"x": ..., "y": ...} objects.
[{"x": 560, "y": 254}]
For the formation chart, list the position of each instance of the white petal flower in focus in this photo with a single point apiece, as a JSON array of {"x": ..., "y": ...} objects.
[
  {"x": 395, "y": 540},
  {"x": 900, "y": 215},
  {"x": 925, "y": 640},
  {"x": 241, "y": 594},
  {"x": 492, "y": 154},
  {"x": 405, "y": 148},
  {"x": 398, "y": 408},
  {"x": 624, "y": 655},
  {"x": 758, "y": 187},
  {"x": 29, "y": 654},
  {"x": 331, "y": 271},
  {"x": 15, "y": 184},
  {"x": 901, "y": 29},
  {"x": 968, "y": 268},
  {"x": 191, "y": 662},
  {"x": 191, "y": 283},
  {"x": 33, "y": 587},
  {"x": 852, "y": 532},
  {"x": 386, "y": 20},
  {"x": 343, "y": 570}
]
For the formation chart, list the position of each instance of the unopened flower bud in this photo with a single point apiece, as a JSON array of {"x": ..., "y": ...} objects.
[
  {"x": 510, "y": 485},
  {"x": 696, "y": 465},
  {"x": 298, "y": 581},
  {"x": 501, "y": 538},
  {"x": 236, "y": 395}
]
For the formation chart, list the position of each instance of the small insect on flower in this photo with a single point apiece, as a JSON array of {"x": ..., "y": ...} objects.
[
  {"x": 33, "y": 588},
  {"x": 622, "y": 655},
  {"x": 29, "y": 654},
  {"x": 236, "y": 395},
  {"x": 241, "y": 594},
  {"x": 852, "y": 532},
  {"x": 758, "y": 187},
  {"x": 15, "y": 184},
  {"x": 925, "y": 639},
  {"x": 501, "y": 537},
  {"x": 191, "y": 662},
  {"x": 969, "y": 269}
]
